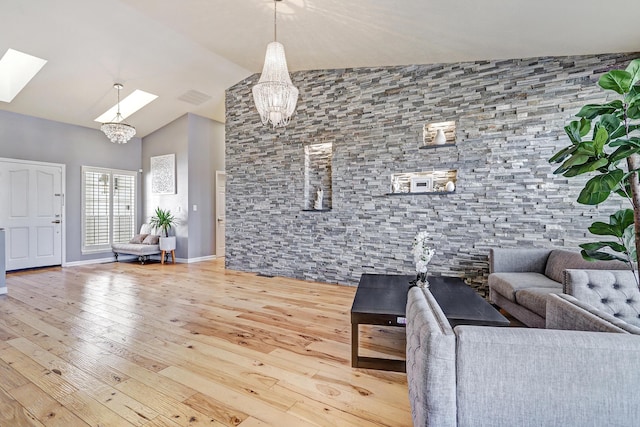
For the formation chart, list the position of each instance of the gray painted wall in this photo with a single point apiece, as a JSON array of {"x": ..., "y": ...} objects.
[
  {"x": 206, "y": 155},
  {"x": 509, "y": 119},
  {"x": 198, "y": 144},
  {"x": 30, "y": 138},
  {"x": 170, "y": 139}
]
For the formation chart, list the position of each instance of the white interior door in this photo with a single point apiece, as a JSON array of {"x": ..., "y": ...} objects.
[
  {"x": 221, "y": 182},
  {"x": 31, "y": 213}
]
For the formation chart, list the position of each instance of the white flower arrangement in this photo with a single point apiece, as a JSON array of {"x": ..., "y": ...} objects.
[{"x": 422, "y": 253}]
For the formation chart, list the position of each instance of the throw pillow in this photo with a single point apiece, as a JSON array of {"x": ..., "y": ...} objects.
[
  {"x": 151, "y": 239},
  {"x": 138, "y": 238}
]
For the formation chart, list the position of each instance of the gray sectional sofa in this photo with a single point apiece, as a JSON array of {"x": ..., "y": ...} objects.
[
  {"x": 487, "y": 376},
  {"x": 521, "y": 279}
]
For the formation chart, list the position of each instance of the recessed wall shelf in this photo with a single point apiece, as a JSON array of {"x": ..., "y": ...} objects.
[
  {"x": 433, "y": 182},
  {"x": 427, "y": 193},
  {"x": 430, "y": 138},
  {"x": 426, "y": 147},
  {"x": 318, "y": 162}
]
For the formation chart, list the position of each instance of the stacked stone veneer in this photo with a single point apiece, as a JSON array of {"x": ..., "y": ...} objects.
[{"x": 509, "y": 117}]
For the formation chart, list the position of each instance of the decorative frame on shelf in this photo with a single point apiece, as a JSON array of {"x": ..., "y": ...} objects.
[{"x": 421, "y": 184}]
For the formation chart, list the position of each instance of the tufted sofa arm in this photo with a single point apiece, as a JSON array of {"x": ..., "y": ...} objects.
[{"x": 614, "y": 292}]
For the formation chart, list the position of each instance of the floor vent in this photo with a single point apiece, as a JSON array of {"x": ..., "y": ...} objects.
[{"x": 264, "y": 275}]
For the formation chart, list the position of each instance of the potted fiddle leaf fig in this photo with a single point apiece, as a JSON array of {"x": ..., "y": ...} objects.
[
  {"x": 605, "y": 142},
  {"x": 164, "y": 220}
]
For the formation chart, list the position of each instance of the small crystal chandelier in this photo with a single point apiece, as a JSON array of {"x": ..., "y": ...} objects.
[
  {"x": 274, "y": 94},
  {"x": 117, "y": 130}
]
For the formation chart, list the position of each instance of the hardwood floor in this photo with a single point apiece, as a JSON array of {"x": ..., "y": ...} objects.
[{"x": 124, "y": 344}]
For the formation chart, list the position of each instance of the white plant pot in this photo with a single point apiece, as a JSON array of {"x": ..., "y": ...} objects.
[{"x": 168, "y": 243}]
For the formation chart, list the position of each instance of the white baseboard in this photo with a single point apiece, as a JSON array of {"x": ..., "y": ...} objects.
[
  {"x": 3, "y": 290},
  {"x": 202, "y": 258},
  {"x": 134, "y": 257},
  {"x": 99, "y": 260}
]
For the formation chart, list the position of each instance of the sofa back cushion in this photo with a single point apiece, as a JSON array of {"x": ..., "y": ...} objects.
[
  {"x": 431, "y": 365},
  {"x": 614, "y": 292},
  {"x": 542, "y": 377},
  {"x": 561, "y": 259},
  {"x": 518, "y": 260}
]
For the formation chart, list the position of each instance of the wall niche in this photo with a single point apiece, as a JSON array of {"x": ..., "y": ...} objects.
[{"x": 318, "y": 175}]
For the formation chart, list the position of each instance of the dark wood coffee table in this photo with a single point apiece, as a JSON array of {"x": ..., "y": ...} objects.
[{"x": 381, "y": 299}]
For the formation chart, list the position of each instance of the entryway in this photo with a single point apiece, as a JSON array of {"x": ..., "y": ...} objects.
[
  {"x": 221, "y": 182},
  {"x": 31, "y": 212}
]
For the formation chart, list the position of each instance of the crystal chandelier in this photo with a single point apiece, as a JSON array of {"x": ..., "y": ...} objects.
[
  {"x": 274, "y": 94},
  {"x": 117, "y": 130}
]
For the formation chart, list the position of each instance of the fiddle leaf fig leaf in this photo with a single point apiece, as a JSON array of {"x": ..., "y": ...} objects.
[
  {"x": 598, "y": 188},
  {"x": 591, "y": 111},
  {"x": 587, "y": 167},
  {"x": 562, "y": 154},
  {"x": 623, "y": 152},
  {"x": 612, "y": 124},
  {"x": 622, "y": 218},
  {"x": 616, "y": 80},
  {"x": 601, "y": 138},
  {"x": 577, "y": 129},
  {"x": 633, "y": 111},
  {"x": 634, "y": 71},
  {"x": 593, "y": 251}
]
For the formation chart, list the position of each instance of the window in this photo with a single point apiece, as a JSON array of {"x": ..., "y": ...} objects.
[{"x": 108, "y": 208}]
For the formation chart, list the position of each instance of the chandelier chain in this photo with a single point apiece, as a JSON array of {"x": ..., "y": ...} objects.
[{"x": 275, "y": 26}]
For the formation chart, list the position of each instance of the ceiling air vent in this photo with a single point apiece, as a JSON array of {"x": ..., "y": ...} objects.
[{"x": 194, "y": 97}]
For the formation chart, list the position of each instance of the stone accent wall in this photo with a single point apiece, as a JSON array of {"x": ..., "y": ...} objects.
[{"x": 509, "y": 117}]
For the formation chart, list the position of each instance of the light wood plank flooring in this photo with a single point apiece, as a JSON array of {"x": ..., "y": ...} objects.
[{"x": 124, "y": 344}]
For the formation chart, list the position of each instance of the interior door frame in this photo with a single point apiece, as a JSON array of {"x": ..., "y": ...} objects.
[
  {"x": 215, "y": 245},
  {"x": 63, "y": 211}
]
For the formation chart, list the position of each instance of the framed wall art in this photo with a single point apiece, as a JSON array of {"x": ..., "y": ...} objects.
[{"x": 163, "y": 174}]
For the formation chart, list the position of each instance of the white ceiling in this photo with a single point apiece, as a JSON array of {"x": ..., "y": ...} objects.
[{"x": 170, "y": 47}]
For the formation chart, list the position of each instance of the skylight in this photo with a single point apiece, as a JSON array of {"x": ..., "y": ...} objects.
[
  {"x": 128, "y": 106},
  {"x": 16, "y": 70}
]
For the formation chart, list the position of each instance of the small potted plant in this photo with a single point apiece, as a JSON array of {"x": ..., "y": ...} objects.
[{"x": 163, "y": 220}]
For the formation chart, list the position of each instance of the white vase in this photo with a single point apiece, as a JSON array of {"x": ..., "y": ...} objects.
[
  {"x": 440, "y": 138},
  {"x": 168, "y": 243},
  {"x": 450, "y": 186}
]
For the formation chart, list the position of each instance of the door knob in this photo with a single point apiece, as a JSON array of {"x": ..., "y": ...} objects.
[{"x": 57, "y": 221}]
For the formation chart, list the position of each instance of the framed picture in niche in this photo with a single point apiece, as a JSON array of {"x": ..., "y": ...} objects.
[
  {"x": 421, "y": 184},
  {"x": 163, "y": 174}
]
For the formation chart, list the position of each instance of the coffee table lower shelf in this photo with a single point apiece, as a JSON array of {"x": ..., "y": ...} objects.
[{"x": 380, "y": 363}]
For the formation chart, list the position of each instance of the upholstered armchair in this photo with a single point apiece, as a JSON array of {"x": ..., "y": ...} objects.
[{"x": 596, "y": 300}]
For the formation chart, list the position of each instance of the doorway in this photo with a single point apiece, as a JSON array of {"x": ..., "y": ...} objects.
[
  {"x": 221, "y": 183},
  {"x": 31, "y": 212}
]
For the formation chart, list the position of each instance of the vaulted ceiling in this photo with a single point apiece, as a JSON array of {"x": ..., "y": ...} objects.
[{"x": 195, "y": 49}]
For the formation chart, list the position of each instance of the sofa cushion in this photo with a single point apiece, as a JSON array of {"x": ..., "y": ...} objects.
[
  {"x": 138, "y": 238},
  {"x": 507, "y": 284},
  {"x": 151, "y": 239},
  {"x": 514, "y": 260},
  {"x": 535, "y": 299},
  {"x": 560, "y": 259}
]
